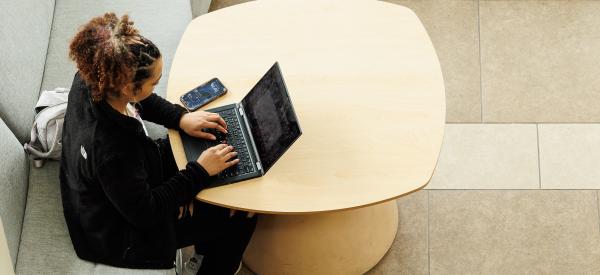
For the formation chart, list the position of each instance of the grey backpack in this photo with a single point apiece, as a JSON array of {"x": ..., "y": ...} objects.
[{"x": 46, "y": 133}]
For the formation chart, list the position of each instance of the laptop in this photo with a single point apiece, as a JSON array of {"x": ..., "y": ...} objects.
[{"x": 260, "y": 128}]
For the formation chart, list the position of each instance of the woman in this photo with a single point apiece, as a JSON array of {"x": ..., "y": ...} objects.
[{"x": 122, "y": 193}]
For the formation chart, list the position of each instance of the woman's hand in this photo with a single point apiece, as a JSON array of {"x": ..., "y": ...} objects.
[
  {"x": 183, "y": 210},
  {"x": 215, "y": 159},
  {"x": 189, "y": 209},
  {"x": 193, "y": 123}
]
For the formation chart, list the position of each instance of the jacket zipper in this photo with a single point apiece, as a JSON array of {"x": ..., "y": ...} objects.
[{"x": 126, "y": 252}]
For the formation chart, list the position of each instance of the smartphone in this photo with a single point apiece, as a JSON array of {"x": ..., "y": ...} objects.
[{"x": 203, "y": 94}]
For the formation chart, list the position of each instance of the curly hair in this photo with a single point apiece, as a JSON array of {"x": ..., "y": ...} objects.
[{"x": 110, "y": 53}]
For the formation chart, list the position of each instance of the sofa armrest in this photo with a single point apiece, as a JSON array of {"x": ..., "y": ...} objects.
[{"x": 5, "y": 261}]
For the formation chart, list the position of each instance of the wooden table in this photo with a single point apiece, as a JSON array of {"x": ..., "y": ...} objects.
[{"x": 369, "y": 94}]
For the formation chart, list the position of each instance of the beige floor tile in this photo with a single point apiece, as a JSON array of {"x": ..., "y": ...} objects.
[
  {"x": 569, "y": 156},
  {"x": 487, "y": 156},
  {"x": 453, "y": 29},
  {"x": 199, "y": 7},
  {"x": 219, "y": 4},
  {"x": 514, "y": 232},
  {"x": 540, "y": 61},
  {"x": 408, "y": 254}
]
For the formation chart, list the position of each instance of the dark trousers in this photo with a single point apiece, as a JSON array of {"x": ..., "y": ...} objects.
[{"x": 221, "y": 239}]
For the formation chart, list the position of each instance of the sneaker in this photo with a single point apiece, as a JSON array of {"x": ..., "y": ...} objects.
[{"x": 192, "y": 266}]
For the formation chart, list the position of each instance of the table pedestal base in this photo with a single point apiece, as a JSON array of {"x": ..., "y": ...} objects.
[{"x": 343, "y": 242}]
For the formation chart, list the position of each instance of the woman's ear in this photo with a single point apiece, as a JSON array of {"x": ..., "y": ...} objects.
[{"x": 128, "y": 91}]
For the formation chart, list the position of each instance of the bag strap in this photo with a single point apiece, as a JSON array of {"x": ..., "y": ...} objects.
[
  {"x": 37, "y": 153},
  {"x": 29, "y": 147}
]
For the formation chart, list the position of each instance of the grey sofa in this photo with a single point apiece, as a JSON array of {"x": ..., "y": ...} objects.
[{"x": 34, "y": 38}]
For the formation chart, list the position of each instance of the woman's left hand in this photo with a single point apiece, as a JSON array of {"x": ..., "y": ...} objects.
[{"x": 193, "y": 123}]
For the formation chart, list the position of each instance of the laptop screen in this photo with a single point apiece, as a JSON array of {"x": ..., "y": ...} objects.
[{"x": 271, "y": 116}]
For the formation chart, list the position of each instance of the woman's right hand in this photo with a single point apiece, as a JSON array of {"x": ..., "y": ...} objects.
[{"x": 215, "y": 159}]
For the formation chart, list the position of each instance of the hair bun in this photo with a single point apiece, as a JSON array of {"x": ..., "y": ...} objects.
[{"x": 106, "y": 56}]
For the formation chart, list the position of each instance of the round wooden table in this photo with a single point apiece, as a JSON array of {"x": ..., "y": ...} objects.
[{"x": 367, "y": 87}]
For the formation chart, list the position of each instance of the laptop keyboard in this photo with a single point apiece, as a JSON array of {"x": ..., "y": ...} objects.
[{"x": 235, "y": 138}]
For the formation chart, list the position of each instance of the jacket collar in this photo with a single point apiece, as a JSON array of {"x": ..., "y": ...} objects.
[
  {"x": 126, "y": 122},
  {"x": 102, "y": 111}
]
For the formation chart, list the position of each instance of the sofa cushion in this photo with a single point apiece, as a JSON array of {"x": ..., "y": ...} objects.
[
  {"x": 161, "y": 21},
  {"x": 46, "y": 247},
  {"x": 13, "y": 188},
  {"x": 25, "y": 29}
]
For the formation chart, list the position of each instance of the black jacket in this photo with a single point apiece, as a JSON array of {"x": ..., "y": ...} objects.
[{"x": 119, "y": 208}]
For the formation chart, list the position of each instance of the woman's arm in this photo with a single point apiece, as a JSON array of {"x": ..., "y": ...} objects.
[
  {"x": 126, "y": 187},
  {"x": 160, "y": 111}
]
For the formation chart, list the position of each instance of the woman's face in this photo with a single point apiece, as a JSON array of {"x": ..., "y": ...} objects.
[{"x": 149, "y": 83}]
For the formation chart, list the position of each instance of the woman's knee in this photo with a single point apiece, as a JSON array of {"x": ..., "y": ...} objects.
[{"x": 243, "y": 222}]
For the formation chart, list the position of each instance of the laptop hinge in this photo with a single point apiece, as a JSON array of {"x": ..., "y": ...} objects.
[{"x": 245, "y": 119}]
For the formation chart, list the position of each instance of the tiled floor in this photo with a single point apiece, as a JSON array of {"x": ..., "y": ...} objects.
[
  {"x": 539, "y": 61},
  {"x": 513, "y": 232},
  {"x": 453, "y": 29},
  {"x": 516, "y": 187},
  {"x": 487, "y": 156},
  {"x": 570, "y": 156},
  {"x": 409, "y": 252}
]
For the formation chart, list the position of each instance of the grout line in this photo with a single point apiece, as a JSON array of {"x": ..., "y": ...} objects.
[
  {"x": 428, "y": 247},
  {"x": 480, "y": 70},
  {"x": 512, "y": 189},
  {"x": 598, "y": 211},
  {"x": 537, "y": 130},
  {"x": 560, "y": 123}
]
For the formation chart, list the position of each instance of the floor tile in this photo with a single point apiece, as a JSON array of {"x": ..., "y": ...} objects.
[
  {"x": 453, "y": 29},
  {"x": 540, "y": 61},
  {"x": 569, "y": 156},
  {"x": 487, "y": 156},
  {"x": 408, "y": 254},
  {"x": 219, "y": 4},
  {"x": 514, "y": 232},
  {"x": 199, "y": 7}
]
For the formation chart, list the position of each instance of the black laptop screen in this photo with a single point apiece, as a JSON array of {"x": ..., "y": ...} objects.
[{"x": 272, "y": 119}]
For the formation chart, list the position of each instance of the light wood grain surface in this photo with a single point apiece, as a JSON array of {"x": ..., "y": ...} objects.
[{"x": 366, "y": 84}]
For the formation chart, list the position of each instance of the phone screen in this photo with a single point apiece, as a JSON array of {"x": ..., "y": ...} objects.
[{"x": 203, "y": 94}]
